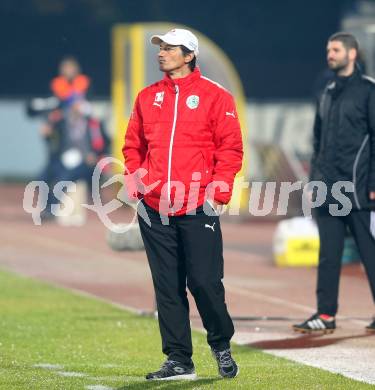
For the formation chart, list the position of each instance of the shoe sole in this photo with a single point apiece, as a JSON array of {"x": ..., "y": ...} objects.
[
  {"x": 310, "y": 331},
  {"x": 370, "y": 330},
  {"x": 187, "y": 377}
]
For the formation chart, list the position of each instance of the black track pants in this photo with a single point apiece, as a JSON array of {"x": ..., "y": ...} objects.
[
  {"x": 332, "y": 234},
  {"x": 187, "y": 251}
]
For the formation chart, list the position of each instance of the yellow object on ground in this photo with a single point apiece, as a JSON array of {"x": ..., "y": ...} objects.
[{"x": 296, "y": 243}]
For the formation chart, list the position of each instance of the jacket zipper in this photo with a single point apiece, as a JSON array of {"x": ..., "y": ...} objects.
[
  {"x": 171, "y": 144},
  {"x": 364, "y": 142}
]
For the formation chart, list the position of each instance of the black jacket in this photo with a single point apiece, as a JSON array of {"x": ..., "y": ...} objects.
[{"x": 344, "y": 136}]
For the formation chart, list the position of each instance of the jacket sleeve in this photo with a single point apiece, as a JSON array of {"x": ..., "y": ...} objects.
[
  {"x": 228, "y": 145},
  {"x": 316, "y": 141},
  {"x": 134, "y": 152},
  {"x": 371, "y": 125}
]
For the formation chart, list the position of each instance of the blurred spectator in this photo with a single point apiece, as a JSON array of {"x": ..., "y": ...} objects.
[
  {"x": 81, "y": 142},
  {"x": 75, "y": 139},
  {"x": 71, "y": 82}
]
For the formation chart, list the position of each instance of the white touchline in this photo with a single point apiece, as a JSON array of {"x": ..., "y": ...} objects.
[
  {"x": 48, "y": 366},
  {"x": 283, "y": 302},
  {"x": 71, "y": 374}
]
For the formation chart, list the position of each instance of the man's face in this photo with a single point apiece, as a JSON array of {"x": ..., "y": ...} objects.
[
  {"x": 69, "y": 69},
  {"x": 171, "y": 58},
  {"x": 338, "y": 57}
]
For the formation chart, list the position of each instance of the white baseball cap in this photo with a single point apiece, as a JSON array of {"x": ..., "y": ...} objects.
[{"x": 178, "y": 36}]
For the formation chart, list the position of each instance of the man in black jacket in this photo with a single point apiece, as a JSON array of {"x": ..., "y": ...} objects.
[{"x": 344, "y": 150}]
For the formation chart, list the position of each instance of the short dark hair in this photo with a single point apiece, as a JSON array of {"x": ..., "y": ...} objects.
[
  {"x": 192, "y": 64},
  {"x": 348, "y": 40}
]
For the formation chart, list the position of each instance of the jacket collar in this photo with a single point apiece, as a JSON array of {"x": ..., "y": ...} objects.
[
  {"x": 339, "y": 83},
  {"x": 183, "y": 82}
]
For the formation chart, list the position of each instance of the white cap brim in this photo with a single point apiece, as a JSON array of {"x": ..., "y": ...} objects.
[
  {"x": 158, "y": 39},
  {"x": 170, "y": 40}
]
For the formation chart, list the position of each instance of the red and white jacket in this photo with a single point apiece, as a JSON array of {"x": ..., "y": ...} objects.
[{"x": 185, "y": 134}]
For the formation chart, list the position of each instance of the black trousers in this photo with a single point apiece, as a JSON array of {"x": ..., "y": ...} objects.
[
  {"x": 187, "y": 252},
  {"x": 332, "y": 231}
]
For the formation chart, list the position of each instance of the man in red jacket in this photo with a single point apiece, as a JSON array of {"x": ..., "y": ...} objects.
[{"x": 183, "y": 148}]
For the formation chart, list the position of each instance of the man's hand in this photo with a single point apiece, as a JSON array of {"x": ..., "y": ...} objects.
[
  {"x": 46, "y": 130},
  {"x": 309, "y": 195},
  {"x": 217, "y": 206},
  {"x": 372, "y": 195},
  {"x": 91, "y": 159}
]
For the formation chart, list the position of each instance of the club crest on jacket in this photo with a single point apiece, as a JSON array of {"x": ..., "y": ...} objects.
[{"x": 192, "y": 101}]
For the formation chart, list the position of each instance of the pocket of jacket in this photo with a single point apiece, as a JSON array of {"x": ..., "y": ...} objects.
[
  {"x": 206, "y": 170},
  {"x": 146, "y": 165}
]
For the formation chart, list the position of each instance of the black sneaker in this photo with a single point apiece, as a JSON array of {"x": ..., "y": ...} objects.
[
  {"x": 371, "y": 327},
  {"x": 225, "y": 363},
  {"x": 172, "y": 370},
  {"x": 316, "y": 324}
]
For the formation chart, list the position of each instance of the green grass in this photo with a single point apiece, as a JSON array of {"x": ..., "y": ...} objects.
[{"x": 40, "y": 324}]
